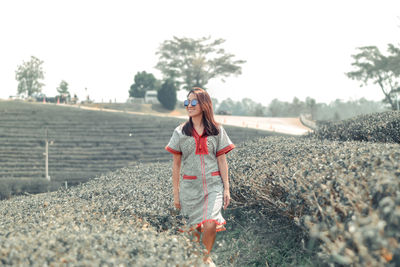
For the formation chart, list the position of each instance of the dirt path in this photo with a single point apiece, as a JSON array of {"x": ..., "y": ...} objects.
[{"x": 291, "y": 126}]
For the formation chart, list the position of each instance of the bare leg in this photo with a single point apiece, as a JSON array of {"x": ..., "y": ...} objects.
[{"x": 209, "y": 234}]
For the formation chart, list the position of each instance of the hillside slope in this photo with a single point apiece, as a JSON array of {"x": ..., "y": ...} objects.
[
  {"x": 341, "y": 195},
  {"x": 83, "y": 143}
]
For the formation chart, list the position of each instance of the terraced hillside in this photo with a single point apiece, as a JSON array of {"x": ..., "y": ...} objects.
[
  {"x": 84, "y": 143},
  {"x": 142, "y": 108}
]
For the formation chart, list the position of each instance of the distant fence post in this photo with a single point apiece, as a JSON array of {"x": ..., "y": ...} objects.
[
  {"x": 46, "y": 154},
  {"x": 66, "y": 185}
]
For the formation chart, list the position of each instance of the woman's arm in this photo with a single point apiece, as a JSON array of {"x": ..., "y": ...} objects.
[
  {"x": 176, "y": 169},
  {"x": 223, "y": 169}
]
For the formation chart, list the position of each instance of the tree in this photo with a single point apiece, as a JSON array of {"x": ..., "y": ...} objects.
[
  {"x": 276, "y": 108},
  {"x": 297, "y": 107},
  {"x": 214, "y": 103},
  {"x": 311, "y": 105},
  {"x": 62, "y": 89},
  {"x": 394, "y": 59},
  {"x": 259, "y": 110},
  {"x": 250, "y": 108},
  {"x": 193, "y": 62},
  {"x": 245, "y": 107},
  {"x": 143, "y": 82},
  {"x": 64, "y": 95},
  {"x": 372, "y": 65},
  {"x": 167, "y": 94},
  {"x": 28, "y": 75},
  {"x": 226, "y": 106}
]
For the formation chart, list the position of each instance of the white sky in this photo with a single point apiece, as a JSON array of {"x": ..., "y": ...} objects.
[{"x": 292, "y": 48}]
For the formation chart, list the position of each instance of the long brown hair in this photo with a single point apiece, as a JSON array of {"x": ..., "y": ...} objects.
[{"x": 210, "y": 125}]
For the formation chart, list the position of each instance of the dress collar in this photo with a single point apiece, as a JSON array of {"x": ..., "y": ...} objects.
[{"x": 197, "y": 134}]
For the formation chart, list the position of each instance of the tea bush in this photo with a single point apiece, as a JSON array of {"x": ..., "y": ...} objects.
[
  {"x": 375, "y": 127},
  {"x": 344, "y": 194}
]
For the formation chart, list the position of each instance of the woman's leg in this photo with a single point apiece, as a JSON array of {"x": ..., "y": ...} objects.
[{"x": 209, "y": 234}]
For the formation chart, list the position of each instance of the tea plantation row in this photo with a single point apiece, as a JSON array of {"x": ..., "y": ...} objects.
[{"x": 83, "y": 143}]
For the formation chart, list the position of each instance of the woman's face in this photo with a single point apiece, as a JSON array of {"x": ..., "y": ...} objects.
[{"x": 193, "y": 111}]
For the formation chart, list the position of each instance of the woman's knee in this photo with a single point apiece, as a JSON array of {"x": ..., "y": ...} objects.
[{"x": 210, "y": 226}]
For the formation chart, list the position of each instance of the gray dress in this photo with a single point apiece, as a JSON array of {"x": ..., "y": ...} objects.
[{"x": 201, "y": 186}]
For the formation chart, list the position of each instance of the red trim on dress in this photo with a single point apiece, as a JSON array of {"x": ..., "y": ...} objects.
[
  {"x": 173, "y": 151},
  {"x": 189, "y": 177},
  {"x": 199, "y": 226},
  {"x": 201, "y": 143},
  {"x": 217, "y": 173},
  {"x": 225, "y": 150},
  {"x": 219, "y": 229},
  {"x": 196, "y": 133}
]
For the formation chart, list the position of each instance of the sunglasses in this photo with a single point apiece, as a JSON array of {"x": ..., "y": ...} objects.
[{"x": 187, "y": 102}]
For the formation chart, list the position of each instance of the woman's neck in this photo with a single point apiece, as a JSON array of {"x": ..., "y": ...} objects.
[{"x": 197, "y": 121}]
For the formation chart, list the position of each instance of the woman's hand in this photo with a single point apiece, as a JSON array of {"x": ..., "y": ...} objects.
[
  {"x": 177, "y": 203},
  {"x": 227, "y": 198}
]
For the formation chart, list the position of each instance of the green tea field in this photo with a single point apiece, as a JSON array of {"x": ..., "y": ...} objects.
[{"x": 82, "y": 143}]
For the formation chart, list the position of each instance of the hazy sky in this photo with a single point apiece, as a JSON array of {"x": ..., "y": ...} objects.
[{"x": 292, "y": 48}]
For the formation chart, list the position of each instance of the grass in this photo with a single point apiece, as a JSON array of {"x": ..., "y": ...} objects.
[{"x": 254, "y": 238}]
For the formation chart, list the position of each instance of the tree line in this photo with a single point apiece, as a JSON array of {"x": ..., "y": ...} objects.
[
  {"x": 186, "y": 63},
  {"x": 336, "y": 110}
]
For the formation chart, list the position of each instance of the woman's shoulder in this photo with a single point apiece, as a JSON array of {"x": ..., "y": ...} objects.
[
  {"x": 220, "y": 128},
  {"x": 179, "y": 128}
]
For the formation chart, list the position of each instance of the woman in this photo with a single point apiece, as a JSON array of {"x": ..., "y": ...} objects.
[{"x": 201, "y": 144}]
